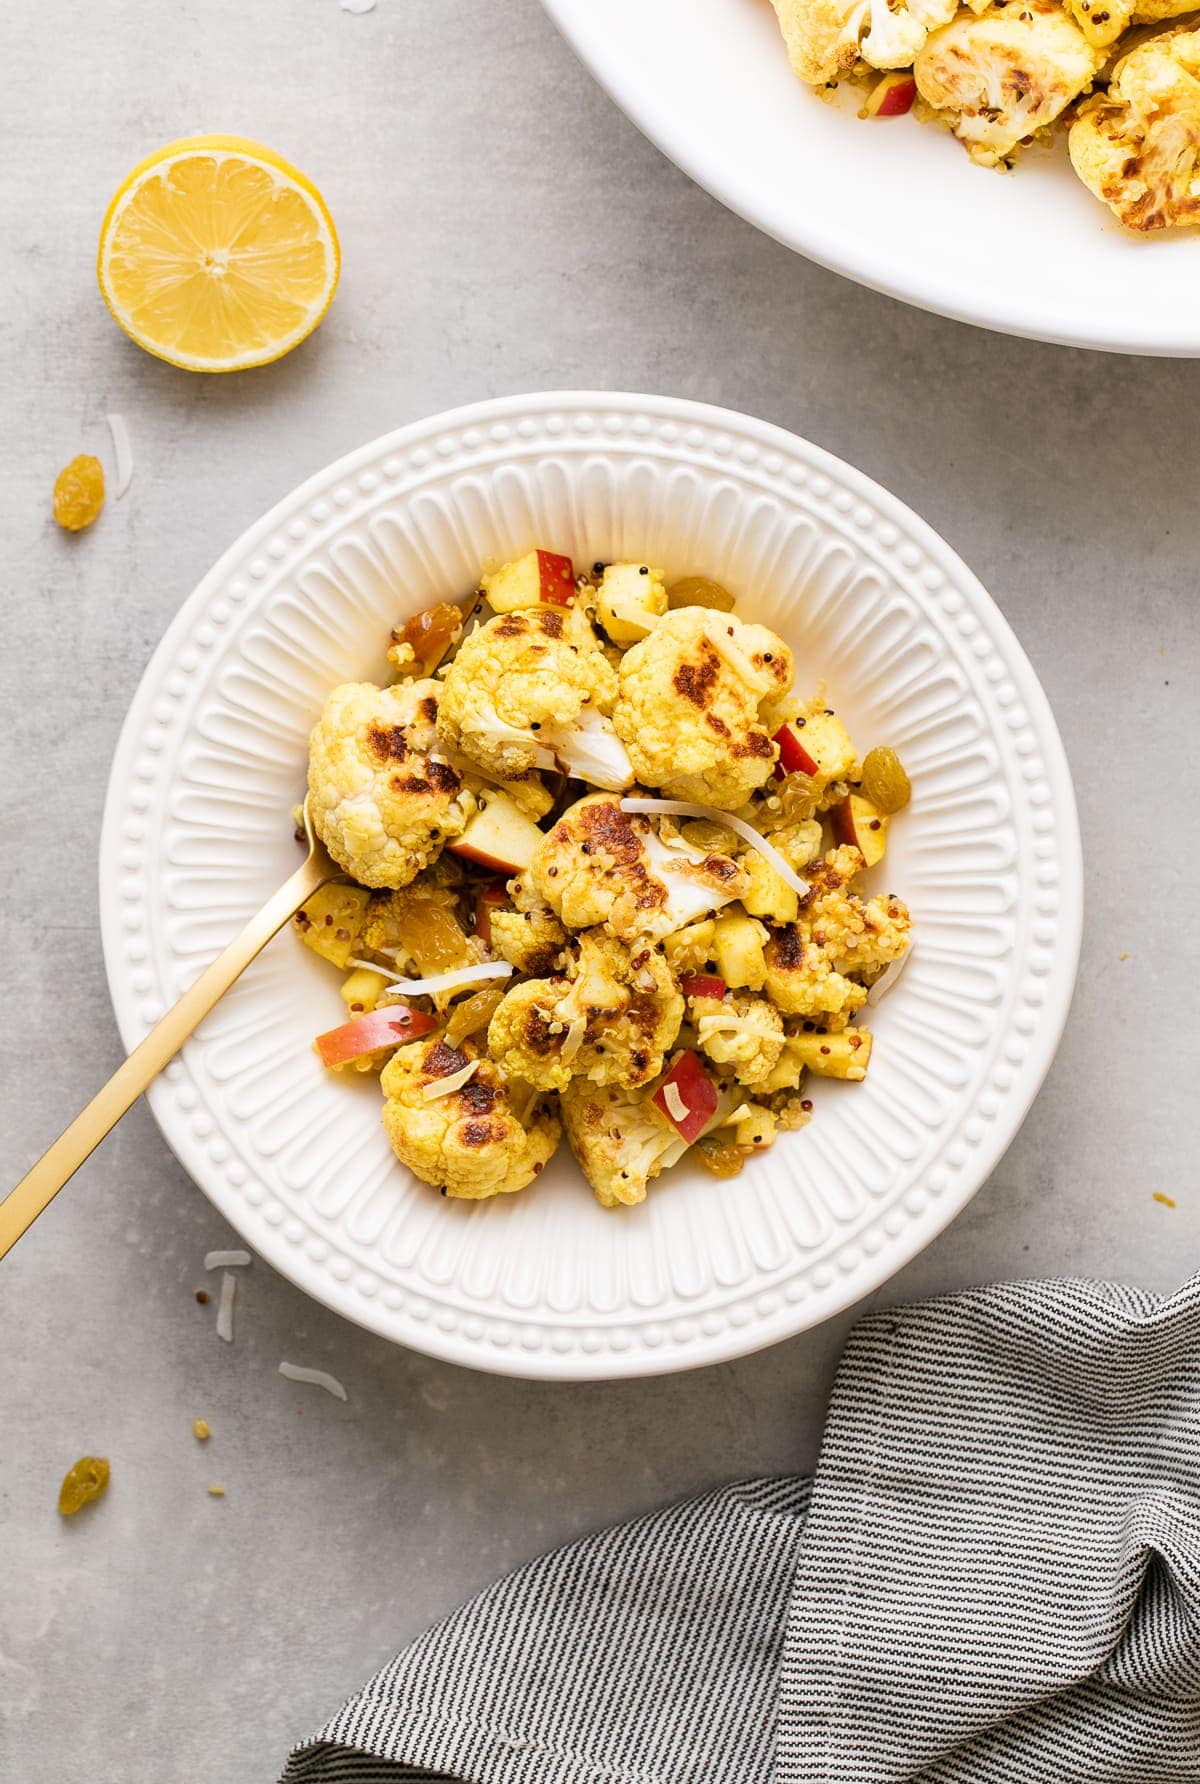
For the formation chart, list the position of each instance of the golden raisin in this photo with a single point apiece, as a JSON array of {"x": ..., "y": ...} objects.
[
  {"x": 79, "y": 493},
  {"x": 719, "y": 1157},
  {"x": 699, "y": 591},
  {"x": 884, "y": 781},
  {"x": 430, "y": 634},
  {"x": 471, "y": 1015},
  {"x": 431, "y": 935},
  {"x": 82, "y": 1483}
]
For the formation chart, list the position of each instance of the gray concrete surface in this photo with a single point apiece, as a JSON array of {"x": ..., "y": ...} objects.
[{"x": 504, "y": 229}]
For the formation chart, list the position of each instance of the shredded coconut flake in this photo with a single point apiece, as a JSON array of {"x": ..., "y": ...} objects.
[
  {"x": 463, "y": 975},
  {"x": 574, "y": 1040},
  {"x": 887, "y": 978},
  {"x": 225, "y": 1307},
  {"x": 682, "y": 808},
  {"x": 317, "y": 1378},
  {"x": 447, "y": 1086},
  {"x": 122, "y": 452},
  {"x": 358, "y": 6},
  {"x": 677, "y": 1109},
  {"x": 226, "y": 1260}
]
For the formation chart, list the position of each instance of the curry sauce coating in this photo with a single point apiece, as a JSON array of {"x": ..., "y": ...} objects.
[
  {"x": 692, "y": 703},
  {"x": 470, "y": 1143},
  {"x": 1137, "y": 145}
]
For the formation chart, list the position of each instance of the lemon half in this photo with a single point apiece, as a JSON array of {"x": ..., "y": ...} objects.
[{"x": 216, "y": 254}]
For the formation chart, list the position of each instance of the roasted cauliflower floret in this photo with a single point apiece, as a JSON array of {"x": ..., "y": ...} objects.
[
  {"x": 838, "y": 934},
  {"x": 611, "y": 1018},
  {"x": 470, "y": 1142},
  {"x": 741, "y": 1033},
  {"x": 529, "y": 936},
  {"x": 825, "y": 38},
  {"x": 384, "y": 799},
  {"x": 689, "y": 705},
  {"x": 1136, "y": 146},
  {"x": 1000, "y": 76},
  {"x": 600, "y": 865},
  {"x": 619, "y": 1140},
  {"x": 531, "y": 689}
]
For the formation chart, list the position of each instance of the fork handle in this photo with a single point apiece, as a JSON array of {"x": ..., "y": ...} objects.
[{"x": 22, "y": 1205}]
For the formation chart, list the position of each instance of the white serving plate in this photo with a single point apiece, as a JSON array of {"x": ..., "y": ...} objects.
[
  {"x": 892, "y": 203},
  {"x": 197, "y": 831}
]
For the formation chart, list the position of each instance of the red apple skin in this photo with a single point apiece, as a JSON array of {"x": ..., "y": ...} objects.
[
  {"x": 389, "y": 1027},
  {"x": 846, "y": 829},
  {"x": 793, "y": 757},
  {"x": 499, "y": 825},
  {"x": 697, "y": 1092},
  {"x": 897, "y": 98},
  {"x": 488, "y": 899},
  {"x": 491, "y": 862},
  {"x": 703, "y": 985},
  {"x": 556, "y": 579}
]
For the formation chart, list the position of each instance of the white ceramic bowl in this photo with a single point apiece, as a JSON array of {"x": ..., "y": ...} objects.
[
  {"x": 892, "y": 203},
  {"x": 197, "y": 831}
]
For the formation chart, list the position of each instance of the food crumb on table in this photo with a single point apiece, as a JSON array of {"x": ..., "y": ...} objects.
[
  {"x": 215, "y": 1492},
  {"x": 201, "y": 1430},
  {"x": 1167, "y": 1201}
]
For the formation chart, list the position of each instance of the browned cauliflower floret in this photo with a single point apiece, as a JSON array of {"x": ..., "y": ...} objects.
[
  {"x": 611, "y": 1018},
  {"x": 689, "y": 705},
  {"x": 530, "y": 690},
  {"x": 741, "y": 1033},
  {"x": 825, "y": 38},
  {"x": 469, "y": 1142},
  {"x": 384, "y": 800},
  {"x": 1137, "y": 146},
  {"x": 1000, "y": 76},
  {"x": 838, "y": 934},
  {"x": 600, "y": 865},
  {"x": 529, "y": 936},
  {"x": 619, "y": 1140}
]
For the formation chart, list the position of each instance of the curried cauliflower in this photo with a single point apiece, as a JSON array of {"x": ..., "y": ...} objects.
[
  {"x": 528, "y": 690},
  {"x": 471, "y": 1142},
  {"x": 838, "y": 933},
  {"x": 600, "y": 865},
  {"x": 689, "y": 705},
  {"x": 825, "y": 38},
  {"x": 1002, "y": 75},
  {"x": 740, "y": 1033},
  {"x": 611, "y": 1020},
  {"x": 530, "y": 937},
  {"x": 619, "y": 1140},
  {"x": 384, "y": 800},
  {"x": 1136, "y": 146}
]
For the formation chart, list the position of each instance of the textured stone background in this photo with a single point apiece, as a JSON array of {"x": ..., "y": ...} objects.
[{"x": 504, "y": 229}]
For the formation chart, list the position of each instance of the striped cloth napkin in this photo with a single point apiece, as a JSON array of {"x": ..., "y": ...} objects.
[{"x": 994, "y": 1576}]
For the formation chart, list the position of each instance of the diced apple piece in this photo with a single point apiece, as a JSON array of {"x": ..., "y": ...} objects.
[
  {"x": 892, "y": 96},
  {"x": 793, "y": 757},
  {"x": 331, "y": 921},
  {"x": 843, "y": 1055},
  {"x": 366, "y": 1042},
  {"x": 361, "y": 991},
  {"x": 703, "y": 985},
  {"x": 631, "y": 601},
  {"x": 769, "y": 896},
  {"x": 489, "y": 898},
  {"x": 857, "y": 822},
  {"x": 687, "y": 1097},
  {"x": 738, "y": 951},
  {"x": 539, "y": 576},
  {"x": 756, "y": 1130},
  {"x": 499, "y": 837}
]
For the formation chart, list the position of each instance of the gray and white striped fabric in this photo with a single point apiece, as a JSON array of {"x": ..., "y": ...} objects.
[{"x": 994, "y": 1579}]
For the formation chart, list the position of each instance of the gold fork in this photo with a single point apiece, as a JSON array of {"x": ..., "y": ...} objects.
[{"x": 22, "y": 1205}]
